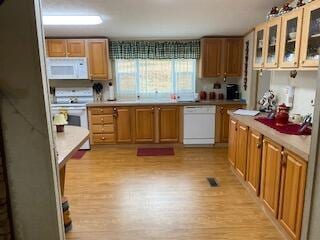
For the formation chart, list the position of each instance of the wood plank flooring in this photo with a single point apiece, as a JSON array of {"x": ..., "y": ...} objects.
[{"x": 116, "y": 195}]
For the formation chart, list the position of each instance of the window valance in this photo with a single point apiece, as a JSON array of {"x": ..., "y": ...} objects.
[{"x": 177, "y": 49}]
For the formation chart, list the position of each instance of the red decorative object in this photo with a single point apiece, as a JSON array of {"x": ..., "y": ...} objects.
[
  {"x": 155, "y": 152},
  {"x": 221, "y": 96},
  {"x": 212, "y": 96},
  {"x": 60, "y": 128},
  {"x": 203, "y": 95},
  {"x": 290, "y": 128},
  {"x": 282, "y": 116}
]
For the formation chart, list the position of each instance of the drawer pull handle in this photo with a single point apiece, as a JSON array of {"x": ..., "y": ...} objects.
[
  {"x": 103, "y": 138},
  {"x": 101, "y": 110}
]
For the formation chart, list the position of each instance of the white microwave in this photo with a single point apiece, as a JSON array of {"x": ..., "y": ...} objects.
[{"x": 67, "y": 68}]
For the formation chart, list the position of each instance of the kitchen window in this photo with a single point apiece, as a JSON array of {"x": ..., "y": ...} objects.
[{"x": 155, "y": 78}]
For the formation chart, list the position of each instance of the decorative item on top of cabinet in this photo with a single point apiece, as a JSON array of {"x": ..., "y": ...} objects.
[
  {"x": 56, "y": 47},
  {"x": 271, "y": 172},
  {"x": 98, "y": 53},
  {"x": 232, "y": 150},
  {"x": 144, "y": 124},
  {"x": 168, "y": 124},
  {"x": 273, "y": 33},
  {"x": 242, "y": 145},
  {"x": 293, "y": 181},
  {"x": 254, "y": 160},
  {"x": 291, "y": 39},
  {"x": 310, "y": 41},
  {"x": 259, "y": 48},
  {"x": 210, "y": 59}
]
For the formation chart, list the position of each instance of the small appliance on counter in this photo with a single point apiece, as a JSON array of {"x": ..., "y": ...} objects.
[{"x": 233, "y": 92}]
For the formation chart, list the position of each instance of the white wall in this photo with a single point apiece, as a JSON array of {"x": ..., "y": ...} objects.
[{"x": 305, "y": 89}]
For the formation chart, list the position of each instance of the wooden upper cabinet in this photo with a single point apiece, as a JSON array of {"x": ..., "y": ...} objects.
[
  {"x": 144, "y": 125},
  {"x": 168, "y": 124},
  {"x": 211, "y": 57},
  {"x": 254, "y": 159},
  {"x": 56, "y": 47},
  {"x": 76, "y": 48},
  {"x": 272, "y": 44},
  {"x": 310, "y": 41},
  {"x": 232, "y": 150},
  {"x": 259, "y": 46},
  {"x": 233, "y": 57},
  {"x": 98, "y": 59},
  {"x": 123, "y": 125},
  {"x": 290, "y": 39},
  {"x": 242, "y": 145},
  {"x": 271, "y": 172},
  {"x": 293, "y": 181}
]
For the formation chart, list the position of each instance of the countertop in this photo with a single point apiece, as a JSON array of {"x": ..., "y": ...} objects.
[
  {"x": 163, "y": 102},
  {"x": 69, "y": 141},
  {"x": 299, "y": 145}
]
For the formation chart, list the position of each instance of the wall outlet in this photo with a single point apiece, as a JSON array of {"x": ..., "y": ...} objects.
[{"x": 312, "y": 102}]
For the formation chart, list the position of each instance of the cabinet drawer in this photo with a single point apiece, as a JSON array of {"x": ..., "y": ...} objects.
[
  {"x": 101, "y": 111},
  {"x": 102, "y": 119},
  {"x": 103, "y": 128},
  {"x": 103, "y": 138}
]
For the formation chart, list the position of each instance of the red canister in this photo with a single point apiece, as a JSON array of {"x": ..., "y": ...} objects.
[
  {"x": 282, "y": 116},
  {"x": 203, "y": 95}
]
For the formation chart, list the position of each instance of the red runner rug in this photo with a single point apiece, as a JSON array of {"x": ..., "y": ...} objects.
[
  {"x": 155, "y": 152},
  {"x": 79, "y": 154}
]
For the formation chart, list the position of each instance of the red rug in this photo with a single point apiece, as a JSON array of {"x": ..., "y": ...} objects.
[
  {"x": 290, "y": 128},
  {"x": 155, "y": 152},
  {"x": 79, "y": 154}
]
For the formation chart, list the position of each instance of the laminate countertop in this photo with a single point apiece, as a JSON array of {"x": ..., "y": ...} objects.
[
  {"x": 299, "y": 145},
  {"x": 163, "y": 103},
  {"x": 69, "y": 142}
]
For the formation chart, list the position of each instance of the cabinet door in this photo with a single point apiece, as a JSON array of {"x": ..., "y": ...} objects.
[
  {"x": 232, "y": 147},
  {"x": 273, "y": 33},
  {"x": 56, "y": 48},
  {"x": 293, "y": 181},
  {"x": 233, "y": 56},
  {"x": 76, "y": 48},
  {"x": 271, "y": 171},
  {"x": 310, "y": 42},
  {"x": 290, "y": 39},
  {"x": 97, "y": 55},
  {"x": 259, "y": 48},
  {"x": 254, "y": 160},
  {"x": 211, "y": 56},
  {"x": 144, "y": 124},
  {"x": 242, "y": 145},
  {"x": 123, "y": 125},
  {"x": 168, "y": 124}
]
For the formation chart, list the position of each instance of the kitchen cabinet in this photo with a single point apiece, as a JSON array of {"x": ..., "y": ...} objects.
[
  {"x": 293, "y": 181},
  {"x": 271, "y": 172},
  {"x": 123, "y": 125},
  {"x": 254, "y": 159},
  {"x": 98, "y": 59},
  {"x": 272, "y": 44},
  {"x": 76, "y": 48},
  {"x": 210, "y": 59},
  {"x": 232, "y": 150},
  {"x": 310, "y": 41},
  {"x": 222, "y": 122},
  {"x": 168, "y": 124},
  {"x": 291, "y": 39},
  {"x": 56, "y": 47},
  {"x": 259, "y": 46},
  {"x": 233, "y": 57},
  {"x": 144, "y": 125},
  {"x": 241, "y": 151}
]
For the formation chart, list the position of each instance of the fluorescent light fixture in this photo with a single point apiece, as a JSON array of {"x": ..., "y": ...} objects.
[{"x": 72, "y": 20}]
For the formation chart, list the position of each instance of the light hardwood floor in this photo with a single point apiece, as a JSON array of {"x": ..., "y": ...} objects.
[{"x": 116, "y": 195}]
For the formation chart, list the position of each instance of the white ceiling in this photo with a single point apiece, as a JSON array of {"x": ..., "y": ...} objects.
[{"x": 160, "y": 19}]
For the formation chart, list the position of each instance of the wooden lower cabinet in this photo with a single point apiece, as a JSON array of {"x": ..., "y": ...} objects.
[
  {"x": 123, "y": 125},
  {"x": 254, "y": 159},
  {"x": 232, "y": 151},
  {"x": 168, "y": 124},
  {"x": 271, "y": 171},
  {"x": 293, "y": 181},
  {"x": 241, "y": 154},
  {"x": 144, "y": 125}
]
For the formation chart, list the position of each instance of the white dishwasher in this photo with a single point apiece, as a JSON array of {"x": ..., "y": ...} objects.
[{"x": 199, "y": 124}]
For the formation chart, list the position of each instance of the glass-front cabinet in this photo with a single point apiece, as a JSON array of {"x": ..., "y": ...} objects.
[
  {"x": 290, "y": 39},
  {"x": 259, "y": 48},
  {"x": 273, "y": 34},
  {"x": 310, "y": 42}
]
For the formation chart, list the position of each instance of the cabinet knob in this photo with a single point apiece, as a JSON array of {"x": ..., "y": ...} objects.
[
  {"x": 159, "y": 108},
  {"x": 295, "y": 63},
  {"x": 103, "y": 138},
  {"x": 259, "y": 145},
  {"x": 303, "y": 61},
  {"x": 101, "y": 110},
  {"x": 275, "y": 63}
]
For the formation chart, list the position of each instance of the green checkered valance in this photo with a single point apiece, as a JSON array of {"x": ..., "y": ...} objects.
[{"x": 179, "y": 49}]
